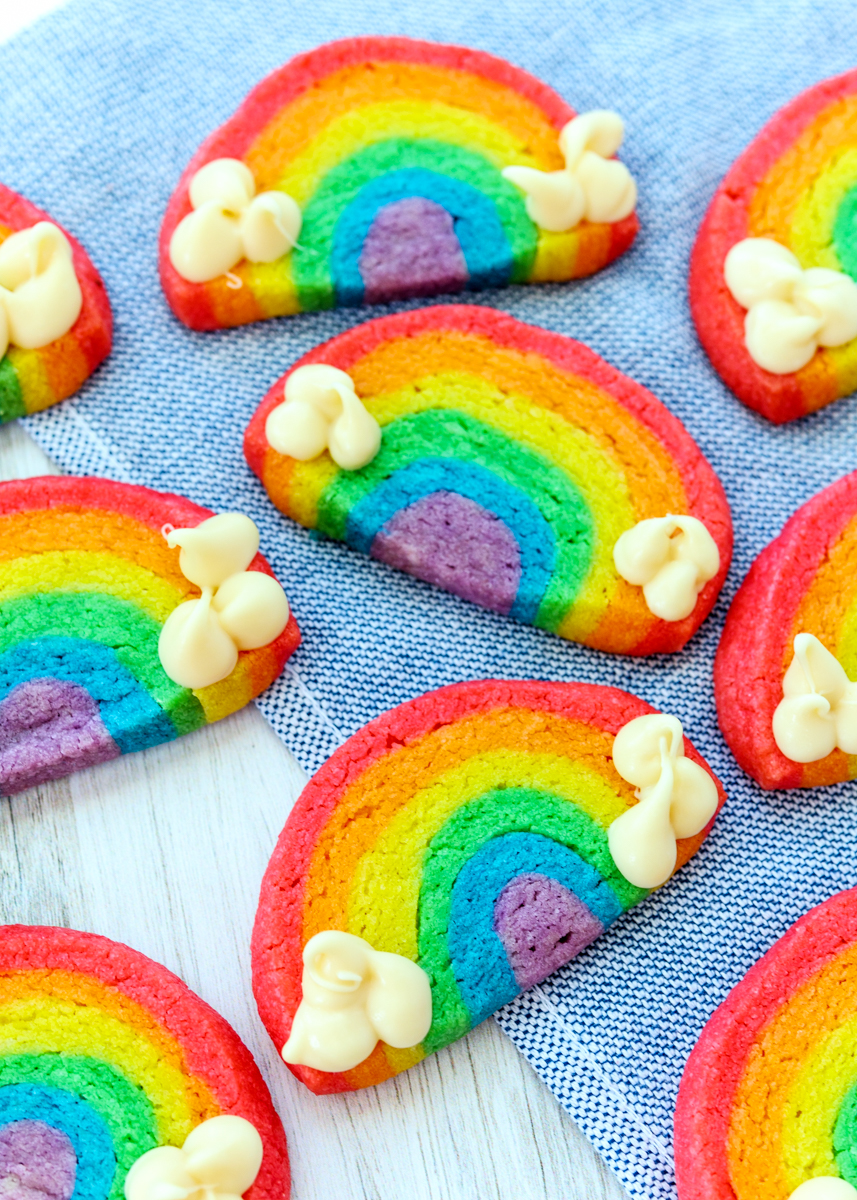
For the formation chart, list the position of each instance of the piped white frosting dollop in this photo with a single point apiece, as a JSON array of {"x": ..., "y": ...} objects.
[
  {"x": 219, "y": 1160},
  {"x": 677, "y": 798},
  {"x": 238, "y": 609},
  {"x": 230, "y": 222},
  {"x": 40, "y": 296},
  {"x": 592, "y": 186},
  {"x": 790, "y": 311},
  {"x": 818, "y": 712},
  {"x": 354, "y": 996},
  {"x": 322, "y": 411},
  {"x": 671, "y": 558}
]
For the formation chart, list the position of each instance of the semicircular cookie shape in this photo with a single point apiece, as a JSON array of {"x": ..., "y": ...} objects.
[
  {"x": 772, "y": 272},
  {"x": 110, "y": 1065},
  {"x": 91, "y": 577},
  {"x": 56, "y": 325},
  {"x": 376, "y": 168},
  {"x": 471, "y": 832},
  {"x": 510, "y": 462},
  {"x": 788, "y": 653},
  {"x": 768, "y": 1099}
]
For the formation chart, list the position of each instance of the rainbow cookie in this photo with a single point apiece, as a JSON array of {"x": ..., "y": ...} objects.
[
  {"x": 796, "y": 186},
  {"x": 465, "y": 831},
  {"x": 769, "y": 1095},
  {"x": 106, "y": 1055},
  {"x": 35, "y": 378},
  {"x": 88, "y": 583},
  {"x": 803, "y": 585},
  {"x": 511, "y": 462},
  {"x": 390, "y": 154}
]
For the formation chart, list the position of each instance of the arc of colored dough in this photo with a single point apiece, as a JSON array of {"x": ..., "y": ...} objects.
[
  {"x": 38, "y": 1025},
  {"x": 198, "y": 1066},
  {"x": 125, "y": 1109},
  {"x": 398, "y": 849},
  {"x": 477, "y": 101},
  {"x": 99, "y": 618},
  {"x": 479, "y": 962},
  {"x": 578, "y": 487},
  {"x": 342, "y": 185},
  {"x": 32, "y": 380},
  {"x": 404, "y": 466},
  {"x": 95, "y": 1165},
  {"x": 478, "y": 229},
  {"x": 467, "y": 832},
  {"x": 93, "y": 531}
]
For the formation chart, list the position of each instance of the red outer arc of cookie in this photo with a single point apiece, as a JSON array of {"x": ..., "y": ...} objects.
[
  {"x": 748, "y": 667},
  {"x": 277, "y": 941},
  {"x": 704, "y": 492},
  {"x": 93, "y": 328},
  {"x": 211, "y": 1047},
  {"x": 152, "y": 508},
  {"x": 716, "y": 1064},
  {"x": 190, "y": 301},
  {"x": 718, "y": 316}
]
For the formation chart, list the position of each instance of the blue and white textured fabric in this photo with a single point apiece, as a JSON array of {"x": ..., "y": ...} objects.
[{"x": 101, "y": 106}]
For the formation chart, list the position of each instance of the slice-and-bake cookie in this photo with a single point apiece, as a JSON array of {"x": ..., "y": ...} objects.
[
  {"x": 455, "y": 852},
  {"x": 127, "y": 618},
  {"x": 55, "y": 319},
  {"x": 375, "y": 168},
  {"x": 772, "y": 275},
  {"x": 115, "y": 1078},
  {"x": 509, "y": 465},
  {"x": 788, "y": 654},
  {"x": 768, "y": 1100}
]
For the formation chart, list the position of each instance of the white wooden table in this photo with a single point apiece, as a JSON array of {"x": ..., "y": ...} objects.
[{"x": 165, "y": 850}]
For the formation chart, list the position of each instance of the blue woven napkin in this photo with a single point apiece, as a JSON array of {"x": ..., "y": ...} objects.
[{"x": 101, "y": 106}]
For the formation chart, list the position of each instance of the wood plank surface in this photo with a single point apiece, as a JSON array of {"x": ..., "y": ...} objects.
[{"x": 165, "y": 850}]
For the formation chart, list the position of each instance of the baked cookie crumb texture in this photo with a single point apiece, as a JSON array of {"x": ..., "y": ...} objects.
[
  {"x": 371, "y": 169},
  {"x": 768, "y": 1100},
  {"x": 106, "y": 1056},
  {"x": 508, "y": 465},
  {"x": 89, "y": 582},
  {"x": 788, "y": 652},
  {"x": 779, "y": 325},
  {"x": 469, "y": 832},
  {"x": 55, "y": 320}
]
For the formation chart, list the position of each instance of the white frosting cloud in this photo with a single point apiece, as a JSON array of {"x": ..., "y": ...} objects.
[
  {"x": 593, "y": 185},
  {"x": 322, "y": 412},
  {"x": 677, "y": 799},
  {"x": 818, "y": 712},
  {"x": 230, "y": 223},
  {"x": 354, "y": 996},
  {"x": 219, "y": 1160},
  {"x": 790, "y": 311},
  {"x": 40, "y": 297}
]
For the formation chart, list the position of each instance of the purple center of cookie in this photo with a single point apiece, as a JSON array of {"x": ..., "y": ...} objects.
[
  {"x": 411, "y": 248},
  {"x": 451, "y": 541},
  {"x": 47, "y": 728},
  {"x": 542, "y": 925},
  {"x": 37, "y": 1162}
]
